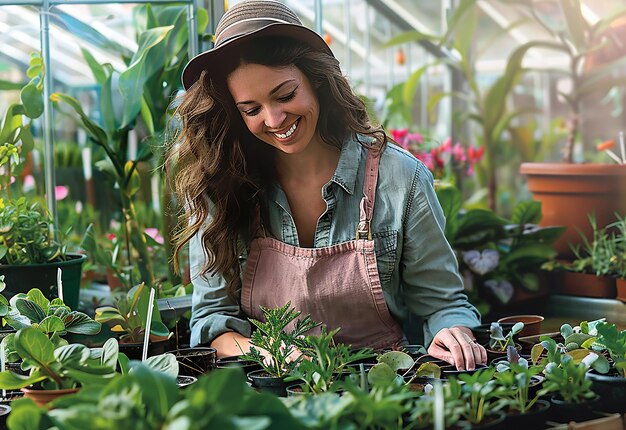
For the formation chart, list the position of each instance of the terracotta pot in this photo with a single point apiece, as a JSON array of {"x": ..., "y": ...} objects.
[
  {"x": 587, "y": 285},
  {"x": 43, "y": 397},
  {"x": 532, "y": 323},
  {"x": 620, "y": 289},
  {"x": 568, "y": 192}
]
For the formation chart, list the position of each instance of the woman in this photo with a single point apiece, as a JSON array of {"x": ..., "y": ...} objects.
[{"x": 293, "y": 196}]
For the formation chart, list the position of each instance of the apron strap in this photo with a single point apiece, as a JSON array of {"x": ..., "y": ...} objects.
[
  {"x": 366, "y": 211},
  {"x": 258, "y": 228}
]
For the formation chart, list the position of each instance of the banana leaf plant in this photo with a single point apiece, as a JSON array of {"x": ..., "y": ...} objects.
[
  {"x": 144, "y": 89},
  {"x": 487, "y": 107},
  {"x": 579, "y": 39}
]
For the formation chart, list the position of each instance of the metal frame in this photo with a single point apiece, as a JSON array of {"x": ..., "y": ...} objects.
[{"x": 44, "y": 32}]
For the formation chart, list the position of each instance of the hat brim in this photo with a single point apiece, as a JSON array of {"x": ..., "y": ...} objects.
[{"x": 203, "y": 61}]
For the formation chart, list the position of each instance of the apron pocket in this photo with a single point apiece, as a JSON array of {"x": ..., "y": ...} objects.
[{"x": 385, "y": 245}]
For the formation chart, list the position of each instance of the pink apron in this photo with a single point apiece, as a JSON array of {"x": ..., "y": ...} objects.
[{"x": 337, "y": 285}]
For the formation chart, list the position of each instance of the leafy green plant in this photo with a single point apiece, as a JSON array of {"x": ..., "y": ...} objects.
[
  {"x": 279, "y": 342},
  {"x": 577, "y": 38},
  {"x": 386, "y": 371},
  {"x": 567, "y": 379},
  {"x": 58, "y": 367},
  {"x": 16, "y": 139},
  {"x": 26, "y": 234},
  {"x": 144, "y": 90},
  {"x": 495, "y": 254},
  {"x": 325, "y": 361},
  {"x": 51, "y": 317},
  {"x": 513, "y": 385},
  {"x": 498, "y": 341},
  {"x": 129, "y": 316},
  {"x": 479, "y": 394},
  {"x": 604, "y": 255},
  {"x": 615, "y": 342}
]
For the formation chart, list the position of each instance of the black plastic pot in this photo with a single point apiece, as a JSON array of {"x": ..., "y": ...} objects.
[
  {"x": 134, "y": 350},
  {"x": 533, "y": 419},
  {"x": 5, "y": 410},
  {"x": 564, "y": 412},
  {"x": 494, "y": 421},
  {"x": 262, "y": 381},
  {"x": 449, "y": 370},
  {"x": 21, "y": 278},
  {"x": 611, "y": 389},
  {"x": 195, "y": 361},
  {"x": 236, "y": 361},
  {"x": 482, "y": 332}
]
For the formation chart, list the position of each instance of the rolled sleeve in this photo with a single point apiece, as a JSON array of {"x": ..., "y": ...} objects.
[
  {"x": 432, "y": 286},
  {"x": 213, "y": 311}
]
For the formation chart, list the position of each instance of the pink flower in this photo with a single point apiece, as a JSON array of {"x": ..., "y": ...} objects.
[
  {"x": 154, "y": 234},
  {"x": 415, "y": 137},
  {"x": 111, "y": 236},
  {"x": 400, "y": 135},
  {"x": 61, "y": 192},
  {"x": 446, "y": 146},
  {"x": 458, "y": 152}
]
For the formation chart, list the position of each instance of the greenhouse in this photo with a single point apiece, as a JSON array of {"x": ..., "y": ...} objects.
[{"x": 313, "y": 214}]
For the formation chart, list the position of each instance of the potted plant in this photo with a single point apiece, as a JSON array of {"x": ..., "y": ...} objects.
[
  {"x": 586, "y": 186},
  {"x": 611, "y": 386},
  {"x": 481, "y": 403},
  {"x": 522, "y": 405},
  {"x": 598, "y": 264},
  {"x": 325, "y": 362},
  {"x": 57, "y": 370},
  {"x": 275, "y": 348},
  {"x": 397, "y": 367},
  {"x": 499, "y": 258},
  {"x": 128, "y": 319},
  {"x": 565, "y": 381},
  {"x": 499, "y": 342}
]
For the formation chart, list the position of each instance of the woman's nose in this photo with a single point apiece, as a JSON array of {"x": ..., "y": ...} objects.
[{"x": 274, "y": 118}]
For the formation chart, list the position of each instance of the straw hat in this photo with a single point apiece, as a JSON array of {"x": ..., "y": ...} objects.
[{"x": 245, "y": 21}]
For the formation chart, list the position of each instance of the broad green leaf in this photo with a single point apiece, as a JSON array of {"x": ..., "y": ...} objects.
[
  {"x": 25, "y": 415},
  {"x": 32, "y": 344},
  {"x": 409, "y": 36},
  {"x": 78, "y": 322},
  {"x": 577, "y": 25},
  {"x": 96, "y": 68},
  {"x": 12, "y": 122},
  {"x": 396, "y": 360},
  {"x": 28, "y": 142},
  {"x": 146, "y": 115},
  {"x": 8, "y": 85},
  {"x": 72, "y": 355},
  {"x": 157, "y": 328},
  {"x": 32, "y": 99},
  {"x": 110, "y": 351},
  {"x": 165, "y": 363},
  {"x": 51, "y": 324},
  {"x": 30, "y": 309},
  {"x": 381, "y": 374},
  {"x": 410, "y": 86},
  {"x": 14, "y": 381},
  {"x": 147, "y": 60},
  {"x": 527, "y": 212}
]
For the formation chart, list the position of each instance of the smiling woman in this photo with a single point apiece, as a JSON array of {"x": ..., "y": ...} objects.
[{"x": 279, "y": 168}]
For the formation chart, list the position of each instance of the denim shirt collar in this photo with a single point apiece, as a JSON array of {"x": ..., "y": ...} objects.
[{"x": 345, "y": 175}]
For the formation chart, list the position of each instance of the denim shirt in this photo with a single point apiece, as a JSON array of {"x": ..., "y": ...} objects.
[{"x": 417, "y": 267}]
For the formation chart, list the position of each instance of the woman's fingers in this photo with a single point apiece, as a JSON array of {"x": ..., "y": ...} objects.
[{"x": 456, "y": 346}]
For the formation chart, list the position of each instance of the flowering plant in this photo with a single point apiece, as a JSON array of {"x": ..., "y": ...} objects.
[{"x": 441, "y": 158}]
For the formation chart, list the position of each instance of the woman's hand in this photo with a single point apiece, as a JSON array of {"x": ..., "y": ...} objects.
[{"x": 457, "y": 346}]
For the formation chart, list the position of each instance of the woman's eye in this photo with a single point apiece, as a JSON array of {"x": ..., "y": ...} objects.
[
  {"x": 251, "y": 112},
  {"x": 288, "y": 97}
]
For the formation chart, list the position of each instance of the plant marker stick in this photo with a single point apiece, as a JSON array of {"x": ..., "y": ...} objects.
[
  {"x": 3, "y": 366},
  {"x": 438, "y": 412},
  {"x": 60, "y": 284},
  {"x": 146, "y": 337},
  {"x": 622, "y": 146},
  {"x": 614, "y": 156}
]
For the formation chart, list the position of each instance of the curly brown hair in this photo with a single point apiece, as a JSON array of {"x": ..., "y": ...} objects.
[{"x": 221, "y": 168}]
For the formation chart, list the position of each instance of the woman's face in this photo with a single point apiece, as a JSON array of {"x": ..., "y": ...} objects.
[{"x": 277, "y": 105}]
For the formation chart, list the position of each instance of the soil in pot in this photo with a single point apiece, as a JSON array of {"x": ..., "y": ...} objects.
[
  {"x": 134, "y": 350},
  {"x": 263, "y": 381},
  {"x": 195, "y": 361},
  {"x": 185, "y": 381}
]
